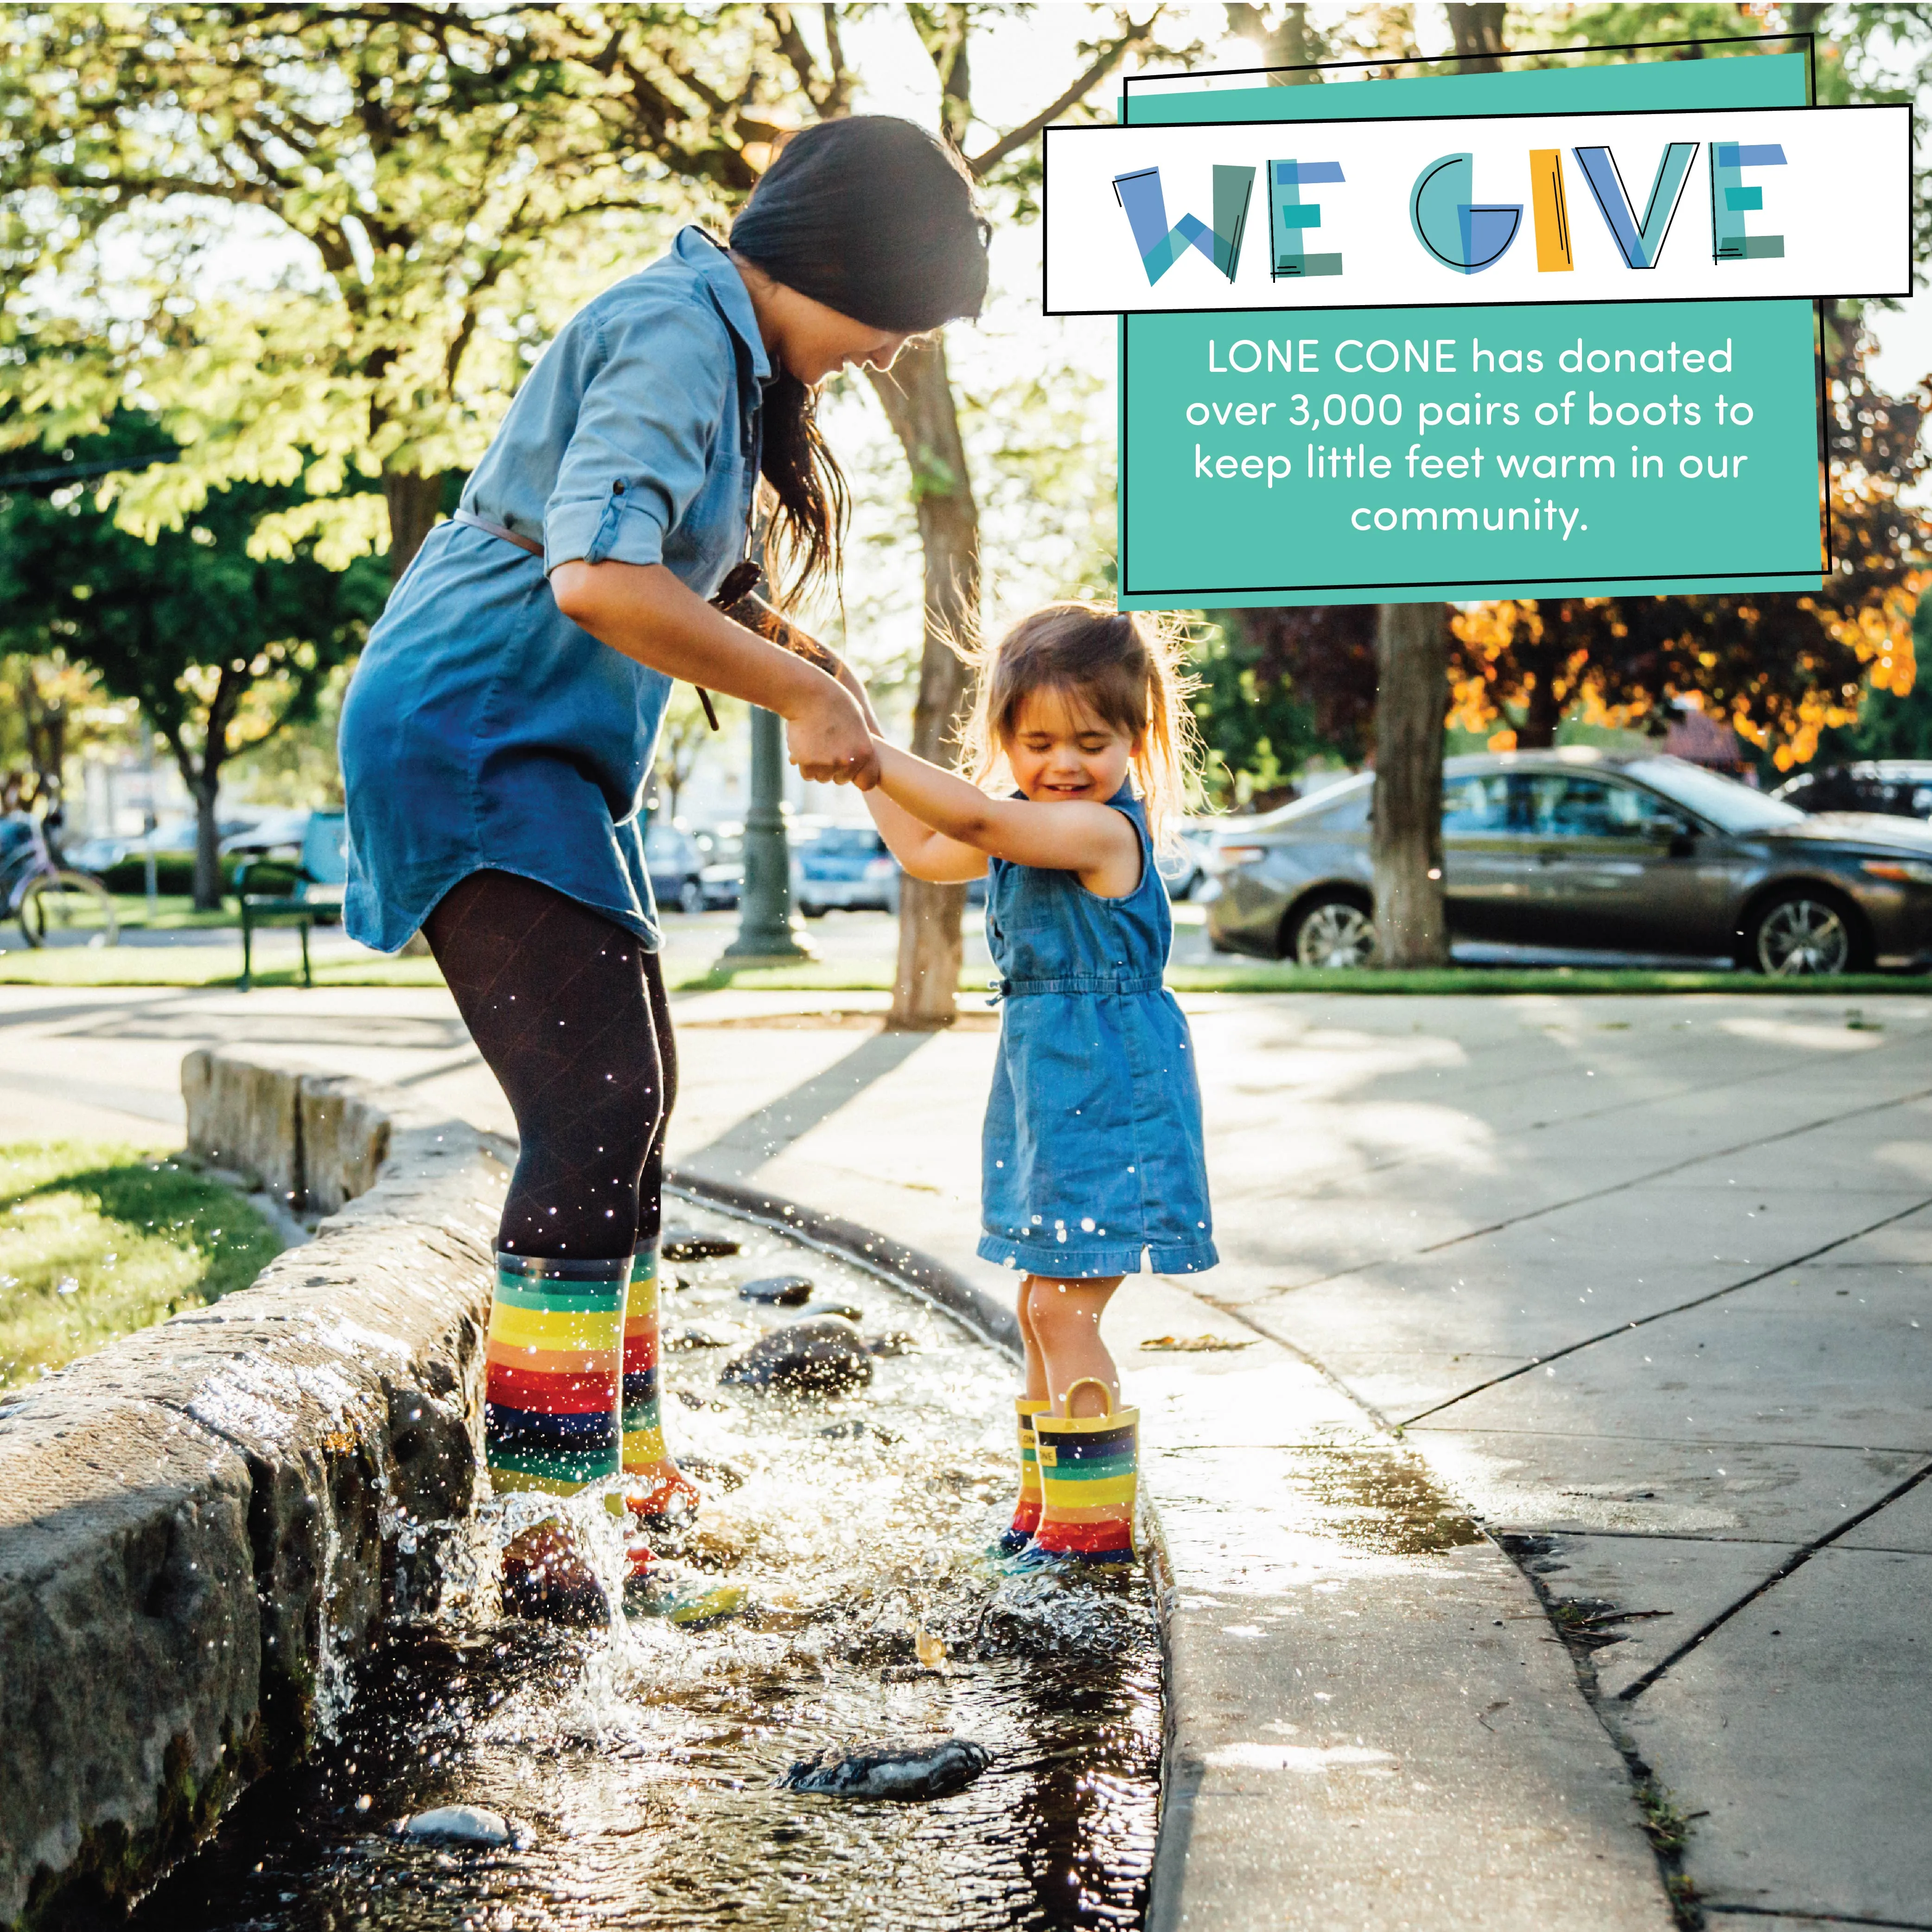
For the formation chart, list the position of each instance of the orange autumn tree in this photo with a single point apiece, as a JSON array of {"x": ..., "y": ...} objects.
[{"x": 1778, "y": 668}]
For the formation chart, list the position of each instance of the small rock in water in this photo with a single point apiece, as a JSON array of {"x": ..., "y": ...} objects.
[
  {"x": 910, "y": 1771},
  {"x": 853, "y": 1426},
  {"x": 459, "y": 1825},
  {"x": 844, "y": 1308},
  {"x": 719, "y": 1475},
  {"x": 893, "y": 1341},
  {"x": 692, "y": 1244},
  {"x": 777, "y": 1290},
  {"x": 823, "y": 1354},
  {"x": 680, "y": 1341}
]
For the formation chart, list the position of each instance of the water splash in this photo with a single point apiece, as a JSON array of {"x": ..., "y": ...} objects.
[{"x": 641, "y": 1765}]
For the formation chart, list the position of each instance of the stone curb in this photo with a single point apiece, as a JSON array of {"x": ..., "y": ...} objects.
[{"x": 204, "y": 1524}]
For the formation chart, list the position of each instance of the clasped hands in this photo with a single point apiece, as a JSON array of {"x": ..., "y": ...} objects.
[{"x": 830, "y": 738}]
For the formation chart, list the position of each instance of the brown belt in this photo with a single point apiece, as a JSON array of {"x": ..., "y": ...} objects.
[{"x": 477, "y": 522}]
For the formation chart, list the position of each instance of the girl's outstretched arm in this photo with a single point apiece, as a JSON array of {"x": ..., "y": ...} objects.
[
  {"x": 1076, "y": 835},
  {"x": 922, "y": 852}
]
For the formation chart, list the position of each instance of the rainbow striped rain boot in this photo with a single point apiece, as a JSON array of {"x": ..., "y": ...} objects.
[
  {"x": 1026, "y": 1510},
  {"x": 549, "y": 1415},
  {"x": 1089, "y": 1466},
  {"x": 655, "y": 1488}
]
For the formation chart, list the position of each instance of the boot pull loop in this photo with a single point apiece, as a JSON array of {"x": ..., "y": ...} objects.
[{"x": 1106, "y": 1396}]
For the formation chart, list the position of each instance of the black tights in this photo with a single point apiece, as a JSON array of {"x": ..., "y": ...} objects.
[{"x": 569, "y": 1011}]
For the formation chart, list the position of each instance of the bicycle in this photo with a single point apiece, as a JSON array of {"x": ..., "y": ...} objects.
[{"x": 48, "y": 898}]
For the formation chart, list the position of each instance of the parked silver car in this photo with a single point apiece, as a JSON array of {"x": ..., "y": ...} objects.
[
  {"x": 1899, "y": 786},
  {"x": 1584, "y": 849}
]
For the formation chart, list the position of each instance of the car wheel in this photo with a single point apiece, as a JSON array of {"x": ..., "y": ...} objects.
[
  {"x": 690, "y": 896},
  {"x": 1801, "y": 932},
  {"x": 1331, "y": 930}
]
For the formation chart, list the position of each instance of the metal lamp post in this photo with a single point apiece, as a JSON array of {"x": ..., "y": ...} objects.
[{"x": 765, "y": 934}]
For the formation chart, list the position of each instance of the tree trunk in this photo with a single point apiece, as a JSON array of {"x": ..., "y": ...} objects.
[
  {"x": 1405, "y": 834},
  {"x": 46, "y": 740},
  {"x": 206, "y": 788},
  {"x": 1478, "y": 33},
  {"x": 1537, "y": 731},
  {"x": 918, "y": 397},
  {"x": 415, "y": 502}
]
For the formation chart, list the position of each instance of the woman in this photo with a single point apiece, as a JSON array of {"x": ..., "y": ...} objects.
[{"x": 496, "y": 737}]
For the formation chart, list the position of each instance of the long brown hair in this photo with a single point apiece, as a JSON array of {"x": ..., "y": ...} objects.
[
  {"x": 1125, "y": 667},
  {"x": 875, "y": 218}
]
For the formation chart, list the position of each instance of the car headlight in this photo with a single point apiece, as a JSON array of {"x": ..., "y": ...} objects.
[{"x": 1900, "y": 871}]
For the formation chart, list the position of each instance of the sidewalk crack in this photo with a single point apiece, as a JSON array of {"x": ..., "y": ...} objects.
[
  {"x": 1794, "y": 1562},
  {"x": 1662, "y": 1314}
]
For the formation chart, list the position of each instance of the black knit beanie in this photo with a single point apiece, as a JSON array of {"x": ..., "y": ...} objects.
[{"x": 873, "y": 216}]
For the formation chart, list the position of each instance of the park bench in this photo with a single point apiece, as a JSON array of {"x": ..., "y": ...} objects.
[{"x": 310, "y": 886}]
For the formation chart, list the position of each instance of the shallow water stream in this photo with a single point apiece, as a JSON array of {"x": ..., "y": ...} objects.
[{"x": 640, "y": 1766}]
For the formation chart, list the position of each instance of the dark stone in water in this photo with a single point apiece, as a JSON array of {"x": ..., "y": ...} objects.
[
  {"x": 910, "y": 1771},
  {"x": 691, "y": 1244},
  {"x": 777, "y": 1290},
  {"x": 682, "y": 1341},
  {"x": 844, "y": 1308},
  {"x": 721, "y": 1475},
  {"x": 854, "y": 1426},
  {"x": 893, "y": 1341},
  {"x": 824, "y": 1355}
]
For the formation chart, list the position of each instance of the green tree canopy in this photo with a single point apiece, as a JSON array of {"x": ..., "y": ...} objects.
[
  {"x": 445, "y": 181},
  {"x": 220, "y": 648}
]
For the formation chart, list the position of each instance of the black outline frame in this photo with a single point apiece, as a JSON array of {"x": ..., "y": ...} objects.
[
  {"x": 1548, "y": 301},
  {"x": 1206, "y": 596}
]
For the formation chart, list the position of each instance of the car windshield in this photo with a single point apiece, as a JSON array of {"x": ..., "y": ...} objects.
[
  {"x": 1341, "y": 807},
  {"x": 1729, "y": 805}
]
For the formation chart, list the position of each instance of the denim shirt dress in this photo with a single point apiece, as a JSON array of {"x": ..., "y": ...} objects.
[
  {"x": 1092, "y": 1156},
  {"x": 483, "y": 729}
]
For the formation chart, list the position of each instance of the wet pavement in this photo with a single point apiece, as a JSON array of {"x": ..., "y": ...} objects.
[{"x": 641, "y": 1767}]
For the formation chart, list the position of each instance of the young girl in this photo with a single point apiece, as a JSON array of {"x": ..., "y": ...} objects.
[{"x": 1092, "y": 1156}]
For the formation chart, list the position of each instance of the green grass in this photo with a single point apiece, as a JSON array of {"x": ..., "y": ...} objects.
[
  {"x": 174, "y": 912},
  {"x": 98, "y": 1240},
  {"x": 690, "y": 968},
  {"x": 1261, "y": 977},
  {"x": 193, "y": 966}
]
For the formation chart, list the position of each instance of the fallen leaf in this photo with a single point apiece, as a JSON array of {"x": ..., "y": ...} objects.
[{"x": 1193, "y": 1345}]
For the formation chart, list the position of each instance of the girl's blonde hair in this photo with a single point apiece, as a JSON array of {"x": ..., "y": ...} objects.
[{"x": 1124, "y": 666}]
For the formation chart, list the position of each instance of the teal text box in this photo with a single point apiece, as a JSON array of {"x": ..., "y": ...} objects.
[{"x": 1370, "y": 456}]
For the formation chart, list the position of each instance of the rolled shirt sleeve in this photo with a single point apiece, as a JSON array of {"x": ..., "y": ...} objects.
[{"x": 661, "y": 392}]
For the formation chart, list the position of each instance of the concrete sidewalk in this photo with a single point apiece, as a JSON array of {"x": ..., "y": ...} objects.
[{"x": 1643, "y": 1280}]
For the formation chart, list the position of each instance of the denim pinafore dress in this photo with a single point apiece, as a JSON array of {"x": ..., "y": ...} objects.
[{"x": 1092, "y": 1156}]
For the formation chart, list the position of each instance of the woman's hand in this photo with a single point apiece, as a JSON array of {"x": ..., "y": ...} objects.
[
  {"x": 852, "y": 681},
  {"x": 828, "y": 739},
  {"x": 647, "y": 614}
]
